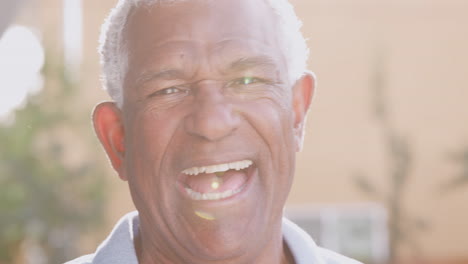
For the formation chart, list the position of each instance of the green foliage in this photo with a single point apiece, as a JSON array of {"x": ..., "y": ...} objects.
[{"x": 44, "y": 198}]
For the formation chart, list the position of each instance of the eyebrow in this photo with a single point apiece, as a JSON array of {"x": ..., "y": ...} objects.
[
  {"x": 162, "y": 74},
  {"x": 241, "y": 64},
  {"x": 246, "y": 63}
]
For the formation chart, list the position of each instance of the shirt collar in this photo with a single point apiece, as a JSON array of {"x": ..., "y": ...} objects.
[
  {"x": 301, "y": 245},
  {"x": 118, "y": 248}
]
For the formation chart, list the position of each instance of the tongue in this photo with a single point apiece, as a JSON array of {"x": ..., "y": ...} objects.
[{"x": 204, "y": 182}]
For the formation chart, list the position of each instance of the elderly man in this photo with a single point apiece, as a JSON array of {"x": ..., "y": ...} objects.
[{"x": 210, "y": 102}]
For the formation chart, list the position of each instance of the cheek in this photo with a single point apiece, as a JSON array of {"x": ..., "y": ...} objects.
[
  {"x": 278, "y": 133},
  {"x": 272, "y": 121},
  {"x": 143, "y": 143},
  {"x": 150, "y": 139},
  {"x": 275, "y": 121},
  {"x": 146, "y": 144},
  {"x": 149, "y": 128}
]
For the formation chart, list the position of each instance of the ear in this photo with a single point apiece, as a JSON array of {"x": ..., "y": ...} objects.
[
  {"x": 108, "y": 125},
  {"x": 303, "y": 92}
]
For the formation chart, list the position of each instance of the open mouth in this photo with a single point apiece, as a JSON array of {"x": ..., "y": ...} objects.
[{"x": 216, "y": 182}]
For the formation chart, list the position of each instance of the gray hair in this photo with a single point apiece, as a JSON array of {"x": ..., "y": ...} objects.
[{"x": 114, "y": 56}]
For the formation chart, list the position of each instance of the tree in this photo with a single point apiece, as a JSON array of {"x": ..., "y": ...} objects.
[
  {"x": 403, "y": 227},
  {"x": 45, "y": 200},
  {"x": 458, "y": 181}
]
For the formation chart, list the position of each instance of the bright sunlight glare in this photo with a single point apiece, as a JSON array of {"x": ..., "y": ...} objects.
[{"x": 21, "y": 61}]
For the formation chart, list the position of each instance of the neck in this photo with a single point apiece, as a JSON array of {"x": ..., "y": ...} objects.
[{"x": 275, "y": 253}]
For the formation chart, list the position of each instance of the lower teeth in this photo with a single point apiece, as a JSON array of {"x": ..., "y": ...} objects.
[{"x": 211, "y": 196}]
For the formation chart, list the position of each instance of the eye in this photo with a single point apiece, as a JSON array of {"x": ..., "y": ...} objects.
[
  {"x": 168, "y": 91},
  {"x": 247, "y": 80}
]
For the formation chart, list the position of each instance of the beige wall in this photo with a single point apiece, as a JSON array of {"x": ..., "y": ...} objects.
[
  {"x": 424, "y": 45},
  {"x": 425, "y": 57}
]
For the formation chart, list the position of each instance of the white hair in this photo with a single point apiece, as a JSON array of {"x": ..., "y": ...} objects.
[{"x": 114, "y": 56}]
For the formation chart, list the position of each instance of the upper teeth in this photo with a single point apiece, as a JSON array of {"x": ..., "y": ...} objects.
[{"x": 237, "y": 165}]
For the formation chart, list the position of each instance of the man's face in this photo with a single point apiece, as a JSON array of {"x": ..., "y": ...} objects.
[{"x": 209, "y": 124}]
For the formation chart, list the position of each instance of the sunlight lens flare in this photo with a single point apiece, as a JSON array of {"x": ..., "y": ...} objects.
[
  {"x": 21, "y": 60},
  {"x": 205, "y": 215},
  {"x": 216, "y": 183}
]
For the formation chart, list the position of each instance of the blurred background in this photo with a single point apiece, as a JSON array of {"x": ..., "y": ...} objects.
[{"x": 383, "y": 176}]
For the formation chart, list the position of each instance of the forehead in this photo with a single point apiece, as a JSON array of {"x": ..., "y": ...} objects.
[{"x": 208, "y": 22}]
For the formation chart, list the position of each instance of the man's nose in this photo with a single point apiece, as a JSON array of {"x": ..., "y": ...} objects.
[{"x": 213, "y": 117}]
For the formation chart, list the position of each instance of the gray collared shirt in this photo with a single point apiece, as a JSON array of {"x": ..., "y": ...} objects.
[{"x": 118, "y": 248}]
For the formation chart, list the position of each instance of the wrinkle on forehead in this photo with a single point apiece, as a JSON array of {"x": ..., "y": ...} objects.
[
  {"x": 184, "y": 35},
  {"x": 182, "y": 60}
]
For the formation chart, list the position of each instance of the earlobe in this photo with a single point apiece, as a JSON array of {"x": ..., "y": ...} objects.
[
  {"x": 108, "y": 125},
  {"x": 303, "y": 92}
]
